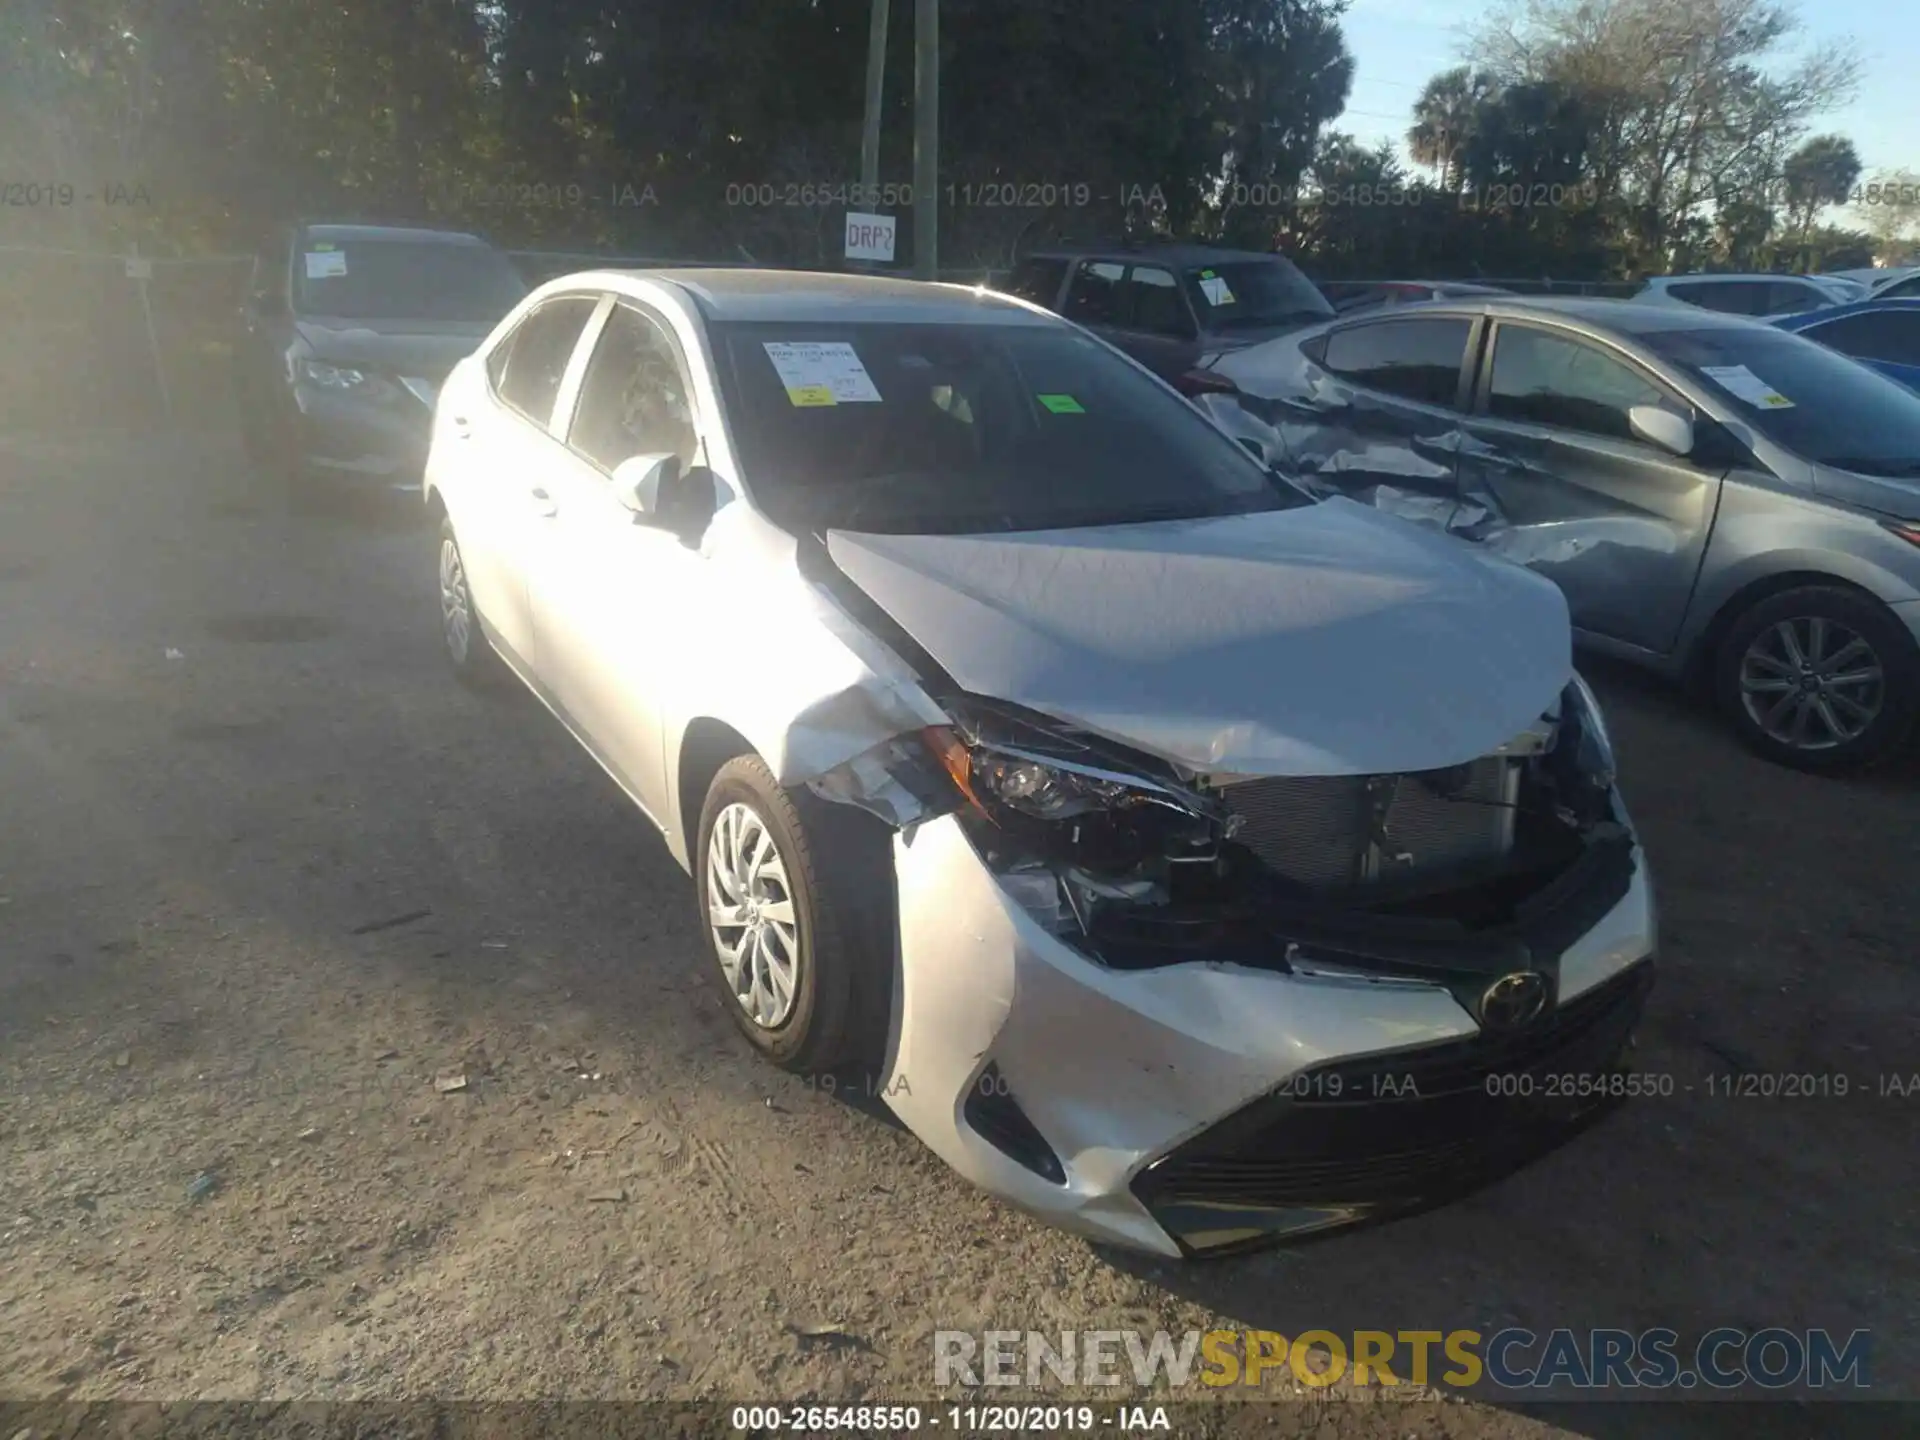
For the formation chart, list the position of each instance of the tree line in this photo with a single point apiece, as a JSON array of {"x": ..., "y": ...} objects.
[{"x": 1582, "y": 139}]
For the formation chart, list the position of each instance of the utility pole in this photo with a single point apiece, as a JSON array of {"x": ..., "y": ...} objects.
[
  {"x": 926, "y": 139},
  {"x": 876, "y": 93}
]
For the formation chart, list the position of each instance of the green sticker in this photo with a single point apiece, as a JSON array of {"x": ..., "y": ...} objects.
[
  {"x": 323, "y": 245},
  {"x": 1062, "y": 404},
  {"x": 1206, "y": 275}
]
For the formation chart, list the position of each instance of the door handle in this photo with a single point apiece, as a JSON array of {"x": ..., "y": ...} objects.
[{"x": 544, "y": 504}]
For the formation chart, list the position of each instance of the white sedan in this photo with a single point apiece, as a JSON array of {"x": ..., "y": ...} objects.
[{"x": 1188, "y": 861}]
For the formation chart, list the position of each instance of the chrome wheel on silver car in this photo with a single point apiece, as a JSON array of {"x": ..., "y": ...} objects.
[
  {"x": 750, "y": 911},
  {"x": 1823, "y": 678},
  {"x": 1812, "y": 683}
]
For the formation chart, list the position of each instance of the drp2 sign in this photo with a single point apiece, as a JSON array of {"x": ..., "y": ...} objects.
[{"x": 869, "y": 237}]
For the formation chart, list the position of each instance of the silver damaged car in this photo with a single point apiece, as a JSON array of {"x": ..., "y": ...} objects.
[{"x": 1189, "y": 861}]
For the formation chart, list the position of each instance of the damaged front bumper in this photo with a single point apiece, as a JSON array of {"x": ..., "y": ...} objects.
[{"x": 1195, "y": 1077}]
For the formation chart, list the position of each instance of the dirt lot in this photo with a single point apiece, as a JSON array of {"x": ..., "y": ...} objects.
[{"x": 266, "y": 874}]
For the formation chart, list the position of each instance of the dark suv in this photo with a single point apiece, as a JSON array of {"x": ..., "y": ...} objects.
[
  {"x": 1169, "y": 305},
  {"x": 347, "y": 335}
]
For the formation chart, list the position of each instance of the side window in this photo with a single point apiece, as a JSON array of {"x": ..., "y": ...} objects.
[
  {"x": 1900, "y": 289},
  {"x": 1154, "y": 303},
  {"x": 635, "y": 398},
  {"x": 529, "y": 364},
  {"x": 1790, "y": 297},
  {"x": 1733, "y": 297},
  {"x": 1545, "y": 379},
  {"x": 1415, "y": 359},
  {"x": 1876, "y": 335},
  {"x": 1094, "y": 297},
  {"x": 1038, "y": 280}
]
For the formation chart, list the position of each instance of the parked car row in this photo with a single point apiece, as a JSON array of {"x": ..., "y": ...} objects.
[{"x": 1179, "y": 838}]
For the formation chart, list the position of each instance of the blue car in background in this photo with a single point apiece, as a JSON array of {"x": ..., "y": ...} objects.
[{"x": 1882, "y": 333}]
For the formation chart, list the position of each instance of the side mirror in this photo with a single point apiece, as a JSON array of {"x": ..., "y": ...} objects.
[
  {"x": 662, "y": 492},
  {"x": 1657, "y": 426}
]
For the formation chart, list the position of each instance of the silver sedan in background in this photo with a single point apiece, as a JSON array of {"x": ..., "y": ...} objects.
[
  {"x": 1187, "y": 860},
  {"x": 1718, "y": 500}
]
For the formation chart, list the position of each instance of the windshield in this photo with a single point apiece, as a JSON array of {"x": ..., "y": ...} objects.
[
  {"x": 967, "y": 429},
  {"x": 1801, "y": 395},
  {"x": 1243, "y": 294},
  {"x": 404, "y": 280}
]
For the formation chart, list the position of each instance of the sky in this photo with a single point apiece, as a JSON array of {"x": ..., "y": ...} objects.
[{"x": 1398, "y": 44}]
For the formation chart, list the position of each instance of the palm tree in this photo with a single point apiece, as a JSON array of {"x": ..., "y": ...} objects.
[{"x": 1443, "y": 121}]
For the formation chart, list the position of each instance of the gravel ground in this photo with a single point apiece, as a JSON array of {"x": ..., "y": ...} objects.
[{"x": 352, "y": 1042}]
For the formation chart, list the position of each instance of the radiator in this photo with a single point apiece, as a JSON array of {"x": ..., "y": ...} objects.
[{"x": 1315, "y": 830}]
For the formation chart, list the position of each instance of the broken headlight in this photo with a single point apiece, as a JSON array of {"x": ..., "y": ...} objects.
[
  {"x": 1593, "y": 746},
  {"x": 1047, "y": 794}
]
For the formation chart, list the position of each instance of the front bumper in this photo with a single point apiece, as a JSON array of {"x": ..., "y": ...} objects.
[
  {"x": 1176, "y": 1109},
  {"x": 379, "y": 442}
]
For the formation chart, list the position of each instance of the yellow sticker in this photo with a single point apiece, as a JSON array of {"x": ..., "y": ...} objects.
[{"x": 811, "y": 394}]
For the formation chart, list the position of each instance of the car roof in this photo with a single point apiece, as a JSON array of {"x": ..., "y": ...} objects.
[
  {"x": 323, "y": 230},
  {"x": 1184, "y": 256},
  {"x": 809, "y": 296},
  {"x": 1699, "y": 275},
  {"x": 1462, "y": 287},
  {"x": 1627, "y": 316}
]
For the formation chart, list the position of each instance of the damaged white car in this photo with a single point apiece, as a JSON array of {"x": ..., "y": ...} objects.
[{"x": 1193, "y": 863}]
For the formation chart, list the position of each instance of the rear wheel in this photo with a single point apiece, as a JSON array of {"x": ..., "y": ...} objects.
[
  {"x": 794, "y": 950},
  {"x": 468, "y": 650},
  {"x": 1820, "y": 678}
]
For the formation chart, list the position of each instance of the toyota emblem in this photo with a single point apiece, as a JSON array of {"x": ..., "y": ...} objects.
[{"x": 1513, "y": 1000}]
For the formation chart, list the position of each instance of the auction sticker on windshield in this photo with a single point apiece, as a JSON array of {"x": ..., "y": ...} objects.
[
  {"x": 323, "y": 264},
  {"x": 1214, "y": 287},
  {"x": 1743, "y": 384},
  {"x": 1062, "y": 404},
  {"x": 821, "y": 372}
]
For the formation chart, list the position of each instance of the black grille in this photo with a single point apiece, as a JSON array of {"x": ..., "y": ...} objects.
[{"x": 1384, "y": 1134}]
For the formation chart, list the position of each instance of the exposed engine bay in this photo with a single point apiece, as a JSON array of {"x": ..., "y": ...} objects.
[{"x": 1139, "y": 864}]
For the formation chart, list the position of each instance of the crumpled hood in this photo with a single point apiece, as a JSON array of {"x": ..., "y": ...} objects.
[
  {"x": 1327, "y": 640},
  {"x": 424, "y": 348}
]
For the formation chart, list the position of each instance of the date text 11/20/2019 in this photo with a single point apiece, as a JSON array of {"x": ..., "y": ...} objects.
[{"x": 951, "y": 1419}]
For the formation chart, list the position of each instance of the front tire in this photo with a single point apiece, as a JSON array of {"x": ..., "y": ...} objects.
[
  {"x": 1820, "y": 679},
  {"x": 792, "y": 952}
]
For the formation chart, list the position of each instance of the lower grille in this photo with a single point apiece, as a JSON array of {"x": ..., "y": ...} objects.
[
  {"x": 1320, "y": 831},
  {"x": 1384, "y": 1134}
]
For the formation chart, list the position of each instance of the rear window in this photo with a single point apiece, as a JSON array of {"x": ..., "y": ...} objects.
[
  {"x": 1414, "y": 359},
  {"x": 959, "y": 429},
  {"x": 1731, "y": 297}
]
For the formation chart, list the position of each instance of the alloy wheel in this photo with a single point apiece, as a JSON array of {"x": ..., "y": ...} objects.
[
  {"x": 750, "y": 911},
  {"x": 1811, "y": 683},
  {"x": 456, "y": 607}
]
